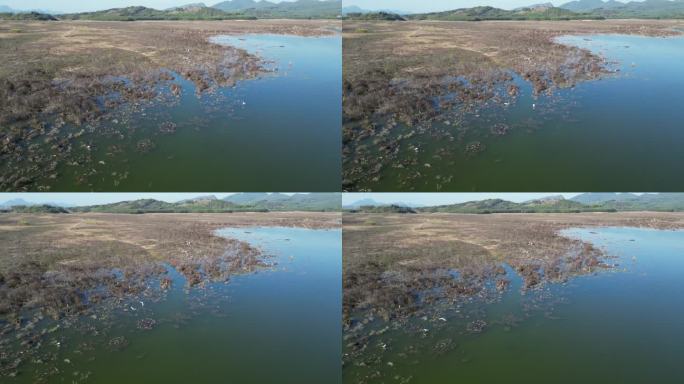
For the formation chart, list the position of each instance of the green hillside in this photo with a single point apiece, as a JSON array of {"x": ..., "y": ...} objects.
[
  {"x": 282, "y": 202},
  {"x": 144, "y": 13},
  {"x": 492, "y": 13},
  {"x": 386, "y": 16},
  {"x": 588, "y": 202},
  {"x": 633, "y": 202},
  {"x": 43, "y": 208},
  {"x": 647, "y": 9},
  {"x": 241, "y": 202}
]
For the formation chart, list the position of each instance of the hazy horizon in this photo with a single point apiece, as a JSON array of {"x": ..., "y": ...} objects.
[
  {"x": 69, "y": 6},
  {"x": 89, "y": 198},
  {"x": 415, "y": 6}
]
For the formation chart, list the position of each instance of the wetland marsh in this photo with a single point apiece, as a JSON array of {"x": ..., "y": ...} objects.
[
  {"x": 524, "y": 106},
  {"x": 218, "y": 295},
  {"x": 549, "y": 297},
  {"x": 150, "y": 106}
]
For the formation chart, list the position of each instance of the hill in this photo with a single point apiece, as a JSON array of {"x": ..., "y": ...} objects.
[
  {"x": 542, "y": 12},
  {"x": 192, "y": 12},
  {"x": 253, "y": 202},
  {"x": 602, "y": 197},
  {"x": 187, "y": 6},
  {"x": 300, "y": 9},
  {"x": 14, "y": 203},
  {"x": 354, "y": 9},
  {"x": 587, "y": 202},
  {"x": 37, "y": 16},
  {"x": 241, "y": 5},
  {"x": 633, "y": 202},
  {"x": 43, "y": 208},
  {"x": 386, "y": 16},
  {"x": 282, "y": 202},
  {"x": 647, "y": 9},
  {"x": 364, "y": 203},
  {"x": 392, "y": 208},
  {"x": 552, "y": 204},
  {"x": 590, "y": 5},
  {"x": 254, "y": 198},
  {"x": 241, "y": 202}
]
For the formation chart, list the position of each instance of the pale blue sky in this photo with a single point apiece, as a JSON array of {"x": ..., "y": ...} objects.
[
  {"x": 99, "y": 198},
  {"x": 441, "y": 5},
  {"x": 86, "y": 6},
  {"x": 443, "y": 198}
]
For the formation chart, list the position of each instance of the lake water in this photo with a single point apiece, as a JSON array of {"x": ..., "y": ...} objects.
[
  {"x": 618, "y": 326},
  {"x": 278, "y": 132},
  {"x": 257, "y": 328},
  {"x": 595, "y": 136}
]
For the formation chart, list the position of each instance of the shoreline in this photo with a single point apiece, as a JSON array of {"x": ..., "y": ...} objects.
[
  {"x": 58, "y": 98},
  {"x": 392, "y": 260},
  {"x": 407, "y": 81}
]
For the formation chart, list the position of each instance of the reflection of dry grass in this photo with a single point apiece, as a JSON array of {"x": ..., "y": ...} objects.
[
  {"x": 388, "y": 259},
  {"x": 50, "y": 261}
]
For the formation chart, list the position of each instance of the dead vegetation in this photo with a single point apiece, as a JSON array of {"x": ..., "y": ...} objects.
[
  {"x": 397, "y": 265},
  {"x": 58, "y": 75},
  {"x": 62, "y": 264},
  {"x": 389, "y": 67},
  {"x": 416, "y": 285},
  {"x": 411, "y": 74}
]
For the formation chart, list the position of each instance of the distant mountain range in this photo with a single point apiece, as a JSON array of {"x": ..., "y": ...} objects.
[
  {"x": 237, "y": 202},
  {"x": 355, "y": 9},
  {"x": 537, "y": 12},
  {"x": 590, "y": 5},
  {"x": 192, "y": 12},
  {"x": 21, "y": 202},
  {"x": 300, "y": 9},
  {"x": 574, "y": 10},
  {"x": 373, "y": 203},
  {"x": 578, "y": 9},
  {"x": 634, "y": 202},
  {"x": 633, "y": 9},
  {"x": 588, "y": 202},
  {"x": 7, "y": 9},
  {"x": 15, "y": 202}
]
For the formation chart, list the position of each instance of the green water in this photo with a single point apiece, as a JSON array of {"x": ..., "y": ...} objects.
[
  {"x": 623, "y": 326},
  {"x": 278, "y": 132},
  {"x": 596, "y": 136},
  {"x": 257, "y": 328}
]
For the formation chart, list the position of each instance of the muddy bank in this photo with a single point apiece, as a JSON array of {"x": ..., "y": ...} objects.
[
  {"x": 407, "y": 272},
  {"x": 435, "y": 79},
  {"x": 64, "y": 81}
]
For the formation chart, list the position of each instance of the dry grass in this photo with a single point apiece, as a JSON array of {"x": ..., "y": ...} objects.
[
  {"x": 400, "y": 78},
  {"x": 390, "y": 260},
  {"x": 380, "y": 58},
  {"x": 57, "y": 77},
  {"x": 53, "y": 262},
  {"x": 118, "y": 48}
]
